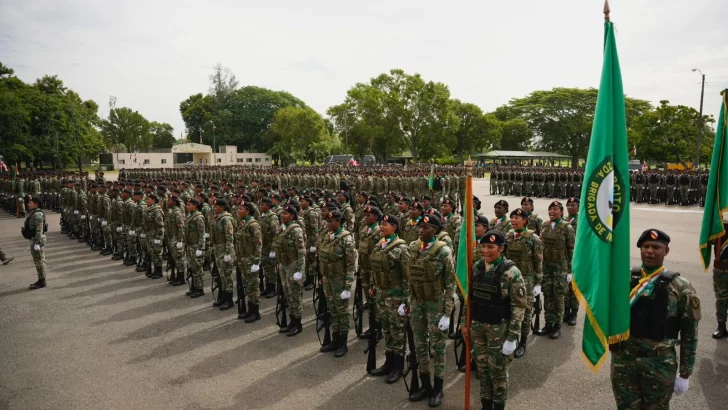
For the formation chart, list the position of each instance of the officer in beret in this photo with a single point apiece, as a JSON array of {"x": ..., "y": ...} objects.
[
  {"x": 409, "y": 231},
  {"x": 194, "y": 239},
  {"x": 526, "y": 251},
  {"x": 390, "y": 207},
  {"x": 34, "y": 230},
  {"x": 534, "y": 221},
  {"x": 292, "y": 259},
  {"x": 432, "y": 289},
  {"x": 665, "y": 310},
  {"x": 501, "y": 222},
  {"x": 450, "y": 220},
  {"x": 498, "y": 300},
  {"x": 361, "y": 199},
  {"x": 312, "y": 226},
  {"x": 337, "y": 256},
  {"x": 346, "y": 210},
  {"x": 571, "y": 302},
  {"x": 269, "y": 227},
  {"x": 403, "y": 206},
  {"x": 368, "y": 239},
  {"x": 223, "y": 242}
]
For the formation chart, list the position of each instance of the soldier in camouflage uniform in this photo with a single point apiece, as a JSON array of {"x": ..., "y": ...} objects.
[
  {"x": 270, "y": 227},
  {"x": 127, "y": 220},
  {"x": 312, "y": 221},
  {"x": 154, "y": 232},
  {"x": 368, "y": 238},
  {"x": 361, "y": 199},
  {"x": 390, "y": 207},
  {"x": 346, "y": 211},
  {"x": 501, "y": 222},
  {"x": 526, "y": 251},
  {"x": 104, "y": 217},
  {"x": 291, "y": 255},
  {"x": 249, "y": 249},
  {"x": 557, "y": 236},
  {"x": 450, "y": 220},
  {"x": 432, "y": 290},
  {"x": 498, "y": 300},
  {"x": 82, "y": 207},
  {"x": 116, "y": 224},
  {"x": 338, "y": 258},
  {"x": 223, "y": 239},
  {"x": 389, "y": 261},
  {"x": 571, "y": 302},
  {"x": 137, "y": 230},
  {"x": 720, "y": 286},
  {"x": 175, "y": 232},
  {"x": 194, "y": 242},
  {"x": 534, "y": 221},
  {"x": 410, "y": 233},
  {"x": 34, "y": 230},
  {"x": 664, "y": 313}
]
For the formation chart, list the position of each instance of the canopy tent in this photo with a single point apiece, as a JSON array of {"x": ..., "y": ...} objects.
[{"x": 524, "y": 155}]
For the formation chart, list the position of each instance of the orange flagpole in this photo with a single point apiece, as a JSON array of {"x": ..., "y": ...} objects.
[{"x": 469, "y": 219}]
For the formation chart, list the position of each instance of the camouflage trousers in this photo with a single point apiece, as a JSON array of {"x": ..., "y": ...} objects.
[
  {"x": 131, "y": 243},
  {"x": 338, "y": 308},
  {"x": 269, "y": 268},
  {"x": 310, "y": 265},
  {"x": 119, "y": 238},
  {"x": 83, "y": 228},
  {"x": 720, "y": 286},
  {"x": 108, "y": 238},
  {"x": 178, "y": 255},
  {"x": 251, "y": 280},
  {"x": 366, "y": 283},
  {"x": 391, "y": 322},
  {"x": 155, "y": 251},
  {"x": 492, "y": 365},
  {"x": 2, "y": 255},
  {"x": 553, "y": 289},
  {"x": 570, "y": 300},
  {"x": 194, "y": 267},
  {"x": 424, "y": 317},
  {"x": 526, "y": 324},
  {"x": 75, "y": 222},
  {"x": 97, "y": 234},
  {"x": 225, "y": 269},
  {"x": 292, "y": 289},
  {"x": 39, "y": 260},
  {"x": 643, "y": 382},
  {"x": 683, "y": 193},
  {"x": 21, "y": 204}
]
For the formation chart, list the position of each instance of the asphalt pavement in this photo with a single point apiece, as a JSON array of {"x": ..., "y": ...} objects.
[{"x": 102, "y": 336}]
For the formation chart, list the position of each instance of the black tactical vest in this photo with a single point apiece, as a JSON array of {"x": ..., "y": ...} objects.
[
  {"x": 649, "y": 314},
  {"x": 487, "y": 303}
]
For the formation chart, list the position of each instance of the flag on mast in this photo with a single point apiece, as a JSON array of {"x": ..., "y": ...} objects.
[
  {"x": 431, "y": 182},
  {"x": 601, "y": 263}
]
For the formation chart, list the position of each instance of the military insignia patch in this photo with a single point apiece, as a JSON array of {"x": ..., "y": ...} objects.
[
  {"x": 695, "y": 302},
  {"x": 521, "y": 292}
]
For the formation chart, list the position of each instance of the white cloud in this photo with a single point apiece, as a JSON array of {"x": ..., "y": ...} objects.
[{"x": 152, "y": 55}]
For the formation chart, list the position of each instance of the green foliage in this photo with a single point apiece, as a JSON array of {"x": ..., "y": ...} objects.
[
  {"x": 128, "y": 128},
  {"x": 298, "y": 133},
  {"x": 162, "y": 135}
]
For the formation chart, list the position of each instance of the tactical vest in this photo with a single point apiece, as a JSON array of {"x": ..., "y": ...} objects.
[
  {"x": 410, "y": 233},
  {"x": 192, "y": 236},
  {"x": 554, "y": 244},
  {"x": 366, "y": 245},
  {"x": 29, "y": 231},
  {"x": 533, "y": 223},
  {"x": 649, "y": 315},
  {"x": 384, "y": 277},
  {"x": 423, "y": 280},
  {"x": 520, "y": 252},
  {"x": 220, "y": 239},
  {"x": 288, "y": 253},
  {"x": 328, "y": 261},
  {"x": 487, "y": 303}
]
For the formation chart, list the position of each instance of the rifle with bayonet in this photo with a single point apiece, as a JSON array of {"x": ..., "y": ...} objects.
[
  {"x": 373, "y": 338},
  {"x": 537, "y": 307},
  {"x": 357, "y": 312},
  {"x": 242, "y": 307},
  {"x": 281, "y": 305},
  {"x": 412, "y": 364}
]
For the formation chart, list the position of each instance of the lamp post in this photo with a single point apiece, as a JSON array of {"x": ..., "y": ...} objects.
[
  {"x": 346, "y": 131},
  {"x": 700, "y": 119},
  {"x": 214, "y": 143}
]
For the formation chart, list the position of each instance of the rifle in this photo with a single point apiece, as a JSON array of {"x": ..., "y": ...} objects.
[
  {"x": 323, "y": 317},
  {"x": 412, "y": 364},
  {"x": 216, "y": 283},
  {"x": 242, "y": 308},
  {"x": 454, "y": 326},
  {"x": 358, "y": 308},
  {"x": 371, "y": 349},
  {"x": 537, "y": 307},
  {"x": 170, "y": 262},
  {"x": 281, "y": 305}
]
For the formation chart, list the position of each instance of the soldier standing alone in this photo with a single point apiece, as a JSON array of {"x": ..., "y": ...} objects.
[
  {"x": 249, "y": 244},
  {"x": 34, "y": 230},
  {"x": 194, "y": 240},
  {"x": 292, "y": 258}
]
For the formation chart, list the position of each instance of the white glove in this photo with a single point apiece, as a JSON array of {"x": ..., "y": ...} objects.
[
  {"x": 298, "y": 276},
  {"x": 536, "y": 290},
  {"x": 36, "y": 247},
  {"x": 283, "y": 227},
  {"x": 272, "y": 255},
  {"x": 255, "y": 268},
  {"x": 509, "y": 348},
  {"x": 119, "y": 229},
  {"x": 400, "y": 310},
  {"x": 180, "y": 245},
  {"x": 132, "y": 234},
  {"x": 143, "y": 235},
  {"x": 198, "y": 253},
  {"x": 104, "y": 223},
  {"x": 157, "y": 242},
  {"x": 345, "y": 295},
  {"x": 312, "y": 249},
  {"x": 444, "y": 323},
  {"x": 91, "y": 218},
  {"x": 75, "y": 211},
  {"x": 227, "y": 258},
  {"x": 441, "y": 199},
  {"x": 206, "y": 235},
  {"x": 83, "y": 217},
  {"x": 568, "y": 278},
  {"x": 681, "y": 386}
]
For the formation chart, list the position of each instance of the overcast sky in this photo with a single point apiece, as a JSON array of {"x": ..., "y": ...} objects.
[{"x": 153, "y": 54}]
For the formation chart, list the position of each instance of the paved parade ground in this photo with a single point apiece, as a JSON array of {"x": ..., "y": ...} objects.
[{"x": 102, "y": 336}]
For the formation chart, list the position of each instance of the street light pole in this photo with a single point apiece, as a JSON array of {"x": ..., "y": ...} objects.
[
  {"x": 700, "y": 119},
  {"x": 214, "y": 143}
]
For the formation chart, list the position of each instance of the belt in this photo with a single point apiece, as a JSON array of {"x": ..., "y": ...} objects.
[{"x": 647, "y": 353}]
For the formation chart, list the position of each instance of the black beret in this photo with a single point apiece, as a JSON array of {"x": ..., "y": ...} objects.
[
  {"x": 418, "y": 205},
  {"x": 373, "y": 198},
  {"x": 294, "y": 203},
  {"x": 493, "y": 238},
  {"x": 502, "y": 202},
  {"x": 573, "y": 200},
  {"x": 194, "y": 202},
  {"x": 433, "y": 211},
  {"x": 431, "y": 220},
  {"x": 153, "y": 197},
  {"x": 343, "y": 193},
  {"x": 527, "y": 199},
  {"x": 654, "y": 235},
  {"x": 290, "y": 209},
  {"x": 221, "y": 202},
  {"x": 519, "y": 212},
  {"x": 249, "y": 206},
  {"x": 426, "y": 198},
  {"x": 37, "y": 200},
  {"x": 276, "y": 197},
  {"x": 202, "y": 195},
  {"x": 372, "y": 202},
  {"x": 392, "y": 194},
  {"x": 138, "y": 193},
  {"x": 390, "y": 219},
  {"x": 335, "y": 214},
  {"x": 448, "y": 202},
  {"x": 481, "y": 220},
  {"x": 267, "y": 201},
  {"x": 307, "y": 199},
  {"x": 405, "y": 200},
  {"x": 373, "y": 210},
  {"x": 362, "y": 194},
  {"x": 556, "y": 204}
]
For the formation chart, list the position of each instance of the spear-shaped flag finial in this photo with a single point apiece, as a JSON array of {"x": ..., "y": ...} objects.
[{"x": 606, "y": 10}]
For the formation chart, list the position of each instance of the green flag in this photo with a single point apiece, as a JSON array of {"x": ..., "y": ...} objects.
[
  {"x": 431, "y": 182},
  {"x": 716, "y": 197},
  {"x": 461, "y": 269},
  {"x": 601, "y": 255}
]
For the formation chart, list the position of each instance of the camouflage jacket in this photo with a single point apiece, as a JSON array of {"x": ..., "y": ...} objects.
[
  {"x": 526, "y": 250},
  {"x": 175, "y": 225},
  {"x": 343, "y": 248},
  {"x": 223, "y": 234},
  {"x": 195, "y": 229},
  {"x": 312, "y": 218},
  {"x": 397, "y": 258},
  {"x": 451, "y": 224},
  {"x": 154, "y": 226},
  {"x": 503, "y": 224},
  {"x": 534, "y": 223},
  {"x": 291, "y": 242},
  {"x": 249, "y": 240},
  {"x": 513, "y": 287},
  {"x": 270, "y": 226},
  {"x": 443, "y": 267},
  {"x": 558, "y": 242}
]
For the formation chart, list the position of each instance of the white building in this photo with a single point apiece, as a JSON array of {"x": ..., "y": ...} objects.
[{"x": 189, "y": 154}]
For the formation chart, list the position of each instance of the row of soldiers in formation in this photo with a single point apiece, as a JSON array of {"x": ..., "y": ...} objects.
[
  {"x": 651, "y": 186},
  {"x": 402, "y": 251}
]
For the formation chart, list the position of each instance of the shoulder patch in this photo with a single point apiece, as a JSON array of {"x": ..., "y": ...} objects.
[{"x": 521, "y": 292}]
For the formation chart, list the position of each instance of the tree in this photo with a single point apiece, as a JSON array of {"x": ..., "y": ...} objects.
[
  {"x": 127, "y": 127},
  {"x": 297, "y": 130},
  {"x": 222, "y": 82},
  {"x": 162, "y": 135},
  {"x": 516, "y": 135},
  {"x": 474, "y": 130}
]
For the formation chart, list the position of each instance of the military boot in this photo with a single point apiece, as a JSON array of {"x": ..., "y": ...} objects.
[
  {"x": 397, "y": 369},
  {"x": 130, "y": 261},
  {"x": 40, "y": 284},
  {"x": 157, "y": 272},
  {"x": 220, "y": 299},
  {"x": 721, "y": 331},
  {"x": 499, "y": 406},
  {"x": 227, "y": 302},
  {"x": 197, "y": 292},
  {"x": 296, "y": 327},
  {"x": 386, "y": 368},
  {"x": 148, "y": 271},
  {"x": 437, "y": 395},
  {"x": 572, "y": 318},
  {"x": 521, "y": 349},
  {"x": 270, "y": 291},
  {"x": 106, "y": 251},
  {"x": 254, "y": 313},
  {"x": 487, "y": 404},
  {"x": 546, "y": 330},
  {"x": 142, "y": 267},
  {"x": 7, "y": 260},
  {"x": 331, "y": 346},
  {"x": 342, "y": 348},
  {"x": 425, "y": 389},
  {"x": 172, "y": 276},
  {"x": 555, "y": 332}
]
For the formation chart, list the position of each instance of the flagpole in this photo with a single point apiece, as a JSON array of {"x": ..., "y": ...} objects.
[{"x": 469, "y": 226}]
